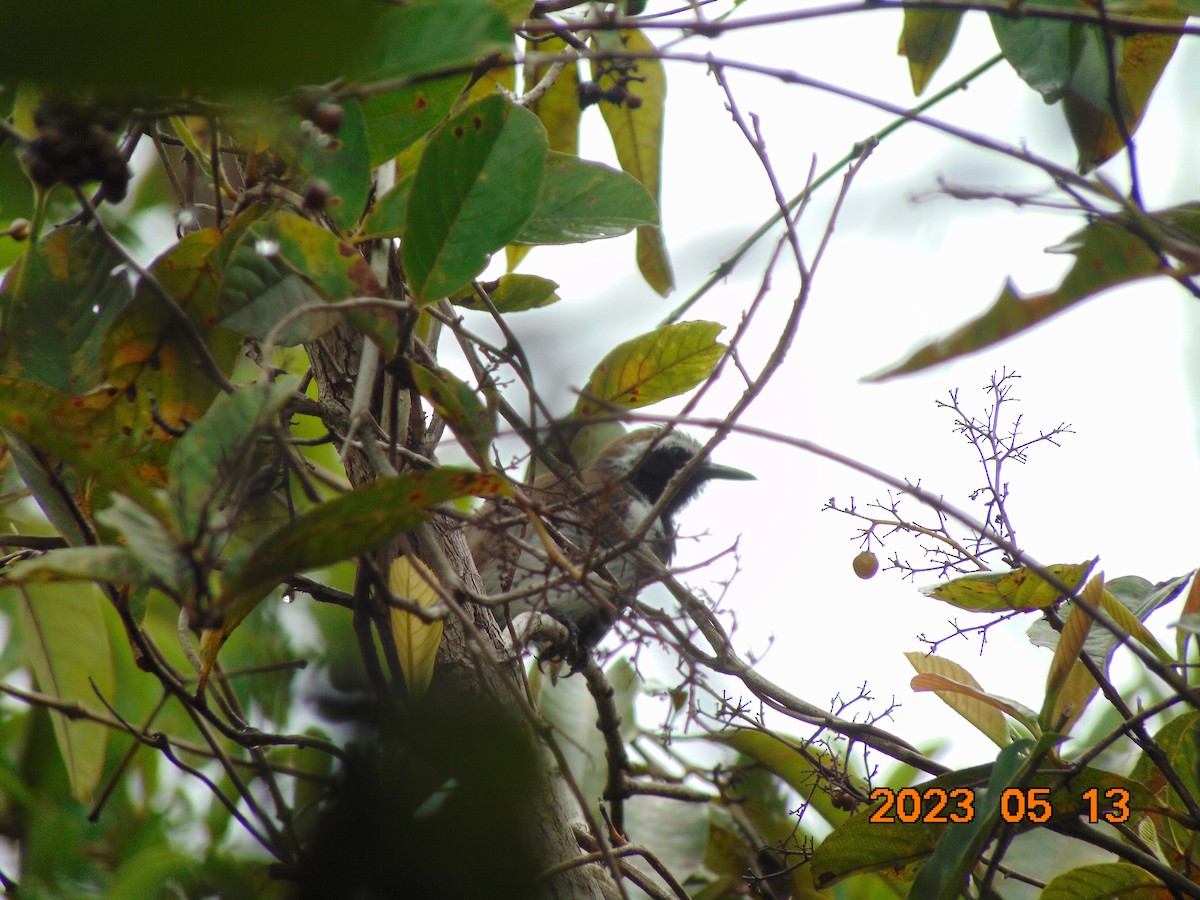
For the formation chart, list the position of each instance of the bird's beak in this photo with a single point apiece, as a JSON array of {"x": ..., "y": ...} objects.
[{"x": 711, "y": 470}]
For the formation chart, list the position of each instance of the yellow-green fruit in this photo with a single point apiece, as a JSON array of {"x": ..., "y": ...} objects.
[{"x": 866, "y": 564}]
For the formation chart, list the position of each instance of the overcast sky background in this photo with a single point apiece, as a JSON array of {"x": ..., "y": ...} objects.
[{"x": 898, "y": 273}]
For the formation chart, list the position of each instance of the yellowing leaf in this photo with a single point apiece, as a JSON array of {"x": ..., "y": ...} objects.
[
  {"x": 663, "y": 363},
  {"x": 1074, "y": 633},
  {"x": 1069, "y": 685},
  {"x": 1094, "y": 128},
  {"x": 1019, "y": 589},
  {"x": 417, "y": 641},
  {"x": 637, "y": 135},
  {"x": 1122, "y": 880},
  {"x": 1107, "y": 253},
  {"x": 959, "y": 690},
  {"x": 927, "y": 37},
  {"x": 558, "y": 107},
  {"x": 473, "y": 423},
  {"x": 1077, "y": 692}
]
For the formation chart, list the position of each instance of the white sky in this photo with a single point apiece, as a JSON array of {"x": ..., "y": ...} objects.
[{"x": 897, "y": 274}]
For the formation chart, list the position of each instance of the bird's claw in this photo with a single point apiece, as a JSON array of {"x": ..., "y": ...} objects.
[{"x": 571, "y": 651}]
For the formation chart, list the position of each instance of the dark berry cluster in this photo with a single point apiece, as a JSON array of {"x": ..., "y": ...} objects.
[{"x": 74, "y": 148}]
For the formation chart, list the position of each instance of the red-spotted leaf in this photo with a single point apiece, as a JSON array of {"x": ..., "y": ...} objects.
[
  {"x": 397, "y": 120},
  {"x": 145, "y": 355},
  {"x": 472, "y": 422},
  {"x": 664, "y": 363},
  {"x": 478, "y": 182}
]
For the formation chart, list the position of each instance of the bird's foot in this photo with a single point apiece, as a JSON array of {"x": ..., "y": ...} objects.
[{"x": 572, "y": 650}]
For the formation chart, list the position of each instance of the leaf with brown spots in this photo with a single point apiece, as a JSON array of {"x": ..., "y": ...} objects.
[
  {"x": 477, "y": 184},
  {"x": 473, "y": 423},
  {"x": 57, "y": 302},
  {"x": 148, "y": 360},
  {"x": 342, "y": 528},
  {"x": 663, "y": 363}
]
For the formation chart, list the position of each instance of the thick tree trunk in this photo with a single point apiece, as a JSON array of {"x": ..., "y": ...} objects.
[{"x": 548, "y": 816}]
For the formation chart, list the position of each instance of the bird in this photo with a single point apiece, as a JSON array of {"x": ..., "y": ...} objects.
[{"x": 588, "y": 517}]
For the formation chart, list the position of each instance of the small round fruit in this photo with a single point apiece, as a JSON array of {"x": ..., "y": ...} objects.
[
  {"x": 866, "y": 564},
  {"x": 328, "y": 116}
]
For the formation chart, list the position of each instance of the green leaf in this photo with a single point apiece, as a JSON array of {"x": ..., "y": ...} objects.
[
  {"x": 1137, "y": 599},
  {"x": 1179, "y": 741},
  {"x": 153, "y": 538},
  {"x": 332, "y": 266},
  {"x": 799, "y": 770},
  {"x": 66, "y": 644},
  {"x": 1039, "y": 50},
  {"x": 117, "y": 565},
  {"x": 476, "y": 186},
  {"x": 637, "y": 136},
  {"x": 343, "y": 162},
  {"x": 1107, "y": 253},
  {"x": 387, "y": 217},
  {"x": 146, "y": 872},
  {"x": 279, "y": 263},
  {"x": 430, "y": 36},
  {"x": 16, "y": 201},
  {"x": 1017, "y": 589},
  {"x": 260, "y": 291},
  {"x": 398, "y": 119},
  {"x": 583, "y": 201},
  {"x": 1094, "y": 127},
  {"x": 209, "y": 463},
  {"x": 926, "y": 39},
  {"x": 57, "y": 303},
  {"x": 37, "y": 472},
  {"x": 664, "y": 363},
  {"x": 513, "y": 293},
  {"x": 1100, "y": 881},
  {"x": 342, "y": 528},
  {"x": 1069, "y": 61},
  {"x": 473, "y": 423}
]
